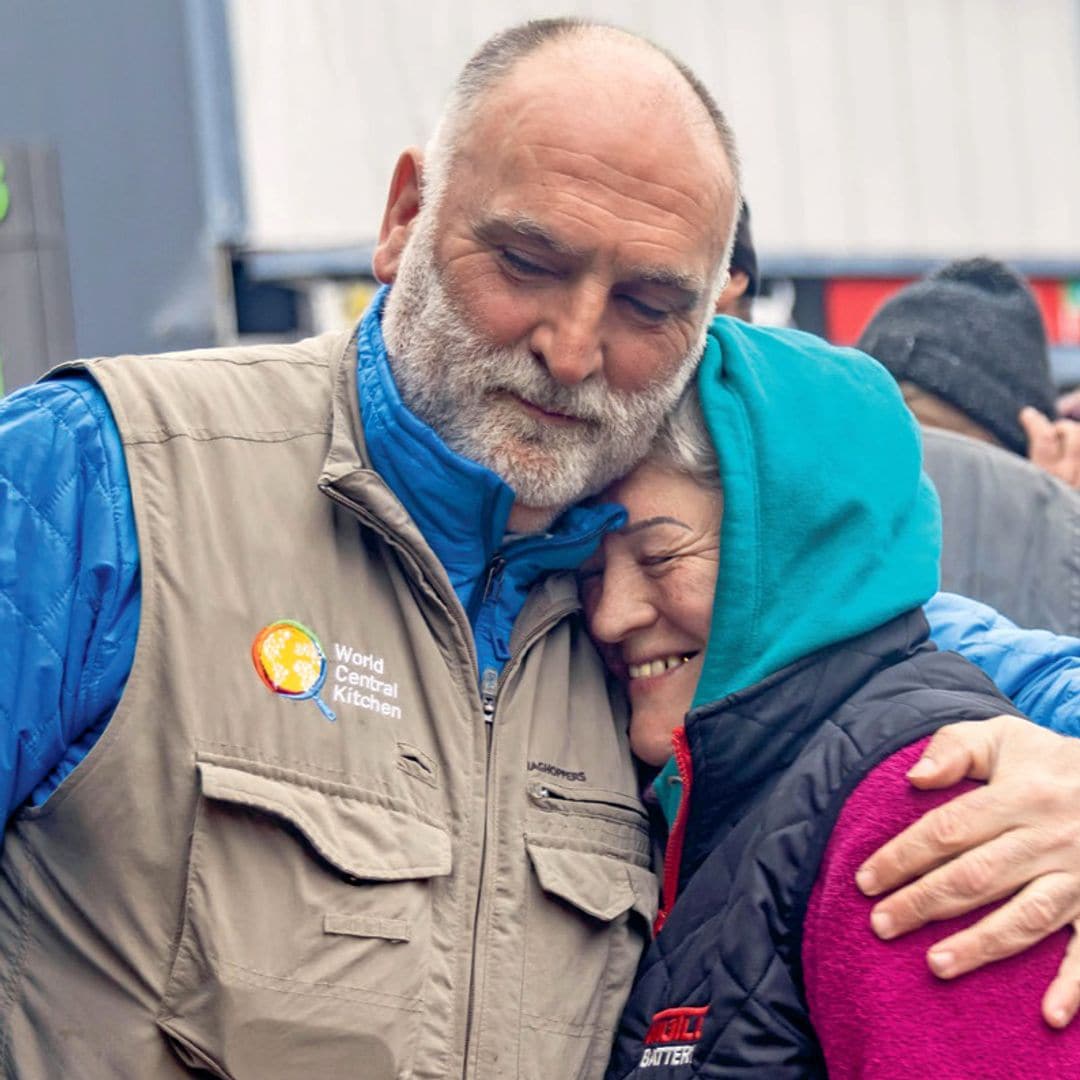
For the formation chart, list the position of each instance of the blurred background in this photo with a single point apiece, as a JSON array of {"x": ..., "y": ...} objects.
[{"x": 189, "y": 172}]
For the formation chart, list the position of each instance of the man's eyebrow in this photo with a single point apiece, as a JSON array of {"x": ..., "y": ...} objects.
[
  {"x": 492, "y": 229},
  {"x": 637, "y": 526},
  {"x": 666, "y": 278}
]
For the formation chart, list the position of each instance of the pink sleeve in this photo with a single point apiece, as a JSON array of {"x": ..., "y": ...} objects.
[{"x": 875, "y": 1006}]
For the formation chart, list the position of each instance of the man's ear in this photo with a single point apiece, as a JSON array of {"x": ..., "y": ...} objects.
[
  {"x": 727, "y": 301},
  {"x": 402, "y": 206}
]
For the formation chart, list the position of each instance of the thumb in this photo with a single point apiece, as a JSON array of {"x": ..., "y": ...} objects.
[
  {"x": 1043, "y": 447},
  {"x": 955, "y": 752}
]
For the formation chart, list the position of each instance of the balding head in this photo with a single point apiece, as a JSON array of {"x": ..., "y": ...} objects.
[
  {"x": 555, "y": 269},
  {"x": 635, "y": 73}
]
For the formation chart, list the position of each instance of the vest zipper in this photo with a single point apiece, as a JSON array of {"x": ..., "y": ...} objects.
[
  {"x": 491, "y": 685},
  {"x": 488, "y": 698},
  {"x": 677, "y": 836}
]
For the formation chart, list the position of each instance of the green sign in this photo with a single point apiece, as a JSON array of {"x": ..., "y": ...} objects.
[{"x": 5, "y": 193}]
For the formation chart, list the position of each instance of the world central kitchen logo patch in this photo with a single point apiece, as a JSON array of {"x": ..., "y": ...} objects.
[
  {"x": 291, "y": 662},
  {"x": 672, "y": 1036}
]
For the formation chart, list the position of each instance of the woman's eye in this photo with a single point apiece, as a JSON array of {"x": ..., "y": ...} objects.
[
  {"x": 658, "y": 560},
  {"x": 521, "y": 264}
]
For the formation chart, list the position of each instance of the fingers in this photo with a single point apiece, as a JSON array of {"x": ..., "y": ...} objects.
[
  {"x": 1053, "y": 445},
  {"x": 1062, "y": 997},
  {"x": 961, "y": 823},
  {"x": 1031, "y": 915},
  {"x": 958, "y": 751},
  {"x": 1042, "y": 438},
  {"x": 1068, "y": 432},
  {"x": 978, "y": 877}
]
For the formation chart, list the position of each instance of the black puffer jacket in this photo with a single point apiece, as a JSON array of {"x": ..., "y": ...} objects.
[{"x": 720, "y": 991}]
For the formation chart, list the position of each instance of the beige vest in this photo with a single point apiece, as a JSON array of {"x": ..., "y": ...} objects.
[{"x": 231, "y": 881}]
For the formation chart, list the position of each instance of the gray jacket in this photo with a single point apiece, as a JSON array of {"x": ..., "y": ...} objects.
[{"x": 1011, "y": 532}]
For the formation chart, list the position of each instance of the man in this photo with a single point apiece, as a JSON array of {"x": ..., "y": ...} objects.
[
  {"x": 452, "y": 875},
  {"x": 968, "y": 346},
  {"x": 354, "y": 800}
]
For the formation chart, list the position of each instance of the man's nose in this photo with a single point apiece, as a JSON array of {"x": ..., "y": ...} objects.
[
  {"x": 569, "y": 339},
  {"x": 622, "y": 605}
]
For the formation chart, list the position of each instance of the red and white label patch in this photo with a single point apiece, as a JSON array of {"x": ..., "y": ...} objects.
[{"x": 672, "y": 1036}]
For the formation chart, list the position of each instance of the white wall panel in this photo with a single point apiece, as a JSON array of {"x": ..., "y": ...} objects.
[{"x": 870, "y": 129}]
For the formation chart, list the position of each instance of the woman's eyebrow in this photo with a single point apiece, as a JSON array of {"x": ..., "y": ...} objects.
[{"x": 637, "y": 526}]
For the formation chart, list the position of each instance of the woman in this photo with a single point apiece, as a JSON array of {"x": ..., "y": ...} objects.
[{"x": 811, "y": 690}]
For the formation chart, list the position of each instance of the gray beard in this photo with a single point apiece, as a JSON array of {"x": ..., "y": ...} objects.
[{"x": 463, "y": 388}]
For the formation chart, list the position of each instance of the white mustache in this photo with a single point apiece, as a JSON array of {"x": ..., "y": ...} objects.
[{"x": 590, "y": 403}]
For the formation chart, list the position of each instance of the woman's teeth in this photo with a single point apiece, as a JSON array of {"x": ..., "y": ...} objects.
[{"x": 654, "y": 667}]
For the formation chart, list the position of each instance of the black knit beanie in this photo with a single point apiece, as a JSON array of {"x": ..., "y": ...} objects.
[{"x": 972, "y": 334}]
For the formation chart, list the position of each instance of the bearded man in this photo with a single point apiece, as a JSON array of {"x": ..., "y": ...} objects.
[{"x": 310, "y": 764}]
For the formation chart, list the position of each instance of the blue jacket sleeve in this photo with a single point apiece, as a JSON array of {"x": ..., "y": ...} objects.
[
  {"x": 69, "y": 582},
  {"x": 1040, "y": 671}
]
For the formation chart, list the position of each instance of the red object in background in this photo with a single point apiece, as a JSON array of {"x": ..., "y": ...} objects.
[{"x": 851, "y": 302}]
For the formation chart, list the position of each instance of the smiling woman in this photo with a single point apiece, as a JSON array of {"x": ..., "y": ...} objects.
[
  {"x": 782, "y": 620},
  {"x": 649, "y": 597}
]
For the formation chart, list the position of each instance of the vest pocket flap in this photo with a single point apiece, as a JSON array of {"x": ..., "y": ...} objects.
[
  {"x": 368, "y": 926},
  {"x": 599, "y": 885},
  {"x": 646, "y": 888},
  {"x": 361, "y": 839}
]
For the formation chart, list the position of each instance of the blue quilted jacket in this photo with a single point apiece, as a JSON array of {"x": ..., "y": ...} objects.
[{"x": 69, "y": 580}]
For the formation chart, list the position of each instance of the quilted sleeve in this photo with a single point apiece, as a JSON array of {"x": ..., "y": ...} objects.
[
  {"x": 876, "y": 1008},
  {"x": 69, "y": 581},
  {"x": 1038, "y": 670}
]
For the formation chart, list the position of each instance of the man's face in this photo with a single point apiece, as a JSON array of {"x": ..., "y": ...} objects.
[{"x": 548, "y": 312}]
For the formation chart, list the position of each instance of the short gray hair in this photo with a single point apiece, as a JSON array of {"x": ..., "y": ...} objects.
[
  {"x": 501, "y": 53},
  {"x": 683, "y": 443}
]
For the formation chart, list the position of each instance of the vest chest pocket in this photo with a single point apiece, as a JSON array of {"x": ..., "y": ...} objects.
[
  {"x": 307, "y": 926},
  {"x": 591, "y": 902}
]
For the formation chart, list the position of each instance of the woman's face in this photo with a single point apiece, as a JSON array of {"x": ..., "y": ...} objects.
[{"x": 648, "y": 595}]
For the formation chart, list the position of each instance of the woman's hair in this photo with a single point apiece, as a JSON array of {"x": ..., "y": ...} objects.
[{"x": 683, "y": 443}]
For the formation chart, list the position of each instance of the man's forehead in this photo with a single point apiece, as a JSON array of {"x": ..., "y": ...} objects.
[
  {"x": 579, "y": 187},
  {"x": 607, "y": 96}
]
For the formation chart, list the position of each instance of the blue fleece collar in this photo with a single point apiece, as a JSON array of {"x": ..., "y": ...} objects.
[{"x": 461, "y": 508}]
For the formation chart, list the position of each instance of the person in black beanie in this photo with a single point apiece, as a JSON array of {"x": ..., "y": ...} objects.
[{"x": 968, "y": 346}]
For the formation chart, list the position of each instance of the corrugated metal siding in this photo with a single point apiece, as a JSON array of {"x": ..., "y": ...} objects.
[{"x": 873, "y": 129}]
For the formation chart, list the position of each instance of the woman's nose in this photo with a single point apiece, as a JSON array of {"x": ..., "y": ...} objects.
[{"x": 622, "y": 605}]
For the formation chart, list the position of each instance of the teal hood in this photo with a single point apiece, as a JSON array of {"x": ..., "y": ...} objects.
[{"x": 830, "y": 528}]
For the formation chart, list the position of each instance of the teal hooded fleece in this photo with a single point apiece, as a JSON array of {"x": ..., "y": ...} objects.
[{"x": 830, "y": 527}]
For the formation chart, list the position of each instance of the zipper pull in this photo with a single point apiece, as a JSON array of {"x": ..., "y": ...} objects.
[
  {"x": 489, "y": 683},
  {"x": 494, "y": 578}
]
